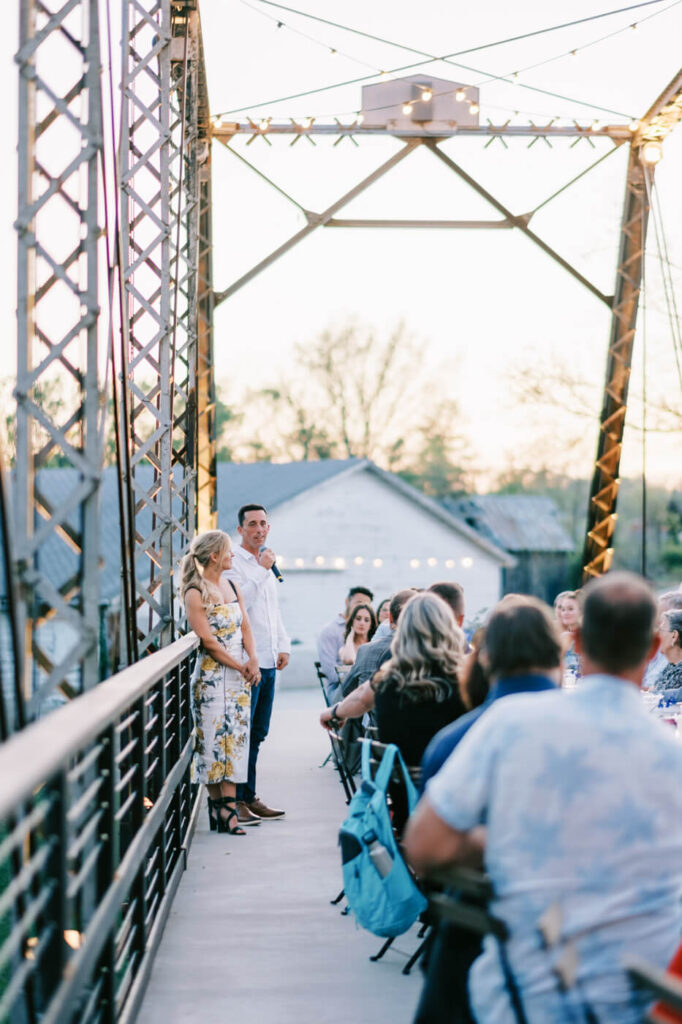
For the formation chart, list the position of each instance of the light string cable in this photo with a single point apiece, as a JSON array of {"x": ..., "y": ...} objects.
[
  {"x": 666, "y": 273},
  {"x": 643, "y": 306},
  {"x": 431, "y": 58}
]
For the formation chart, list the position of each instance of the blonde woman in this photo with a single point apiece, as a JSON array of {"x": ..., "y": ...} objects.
[{"x": 225, "y": 671}]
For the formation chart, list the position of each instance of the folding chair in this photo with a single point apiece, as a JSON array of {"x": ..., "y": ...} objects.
[
  {"x": 461, "y": 896},
  {"x": 377, "y": 750},
  {"x": 322, "y": 679}
]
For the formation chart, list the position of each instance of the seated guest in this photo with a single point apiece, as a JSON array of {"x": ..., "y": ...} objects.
[
  {"x": 371, "y": 656},
  {"x": 360, "y": 628},
  {"x": 580, "y": 796},
  {"x": 672, "y": 601},
  {"x": 416, "y": 692},
  {"x": 669, "y": 683},
  {"x": 567, "y": 611},
  {"x": 521, "y": 653},
  {"x": 474, "y": 684},
  {"x": 333, "y": 634},
  {"x": 453, "y": 595}
]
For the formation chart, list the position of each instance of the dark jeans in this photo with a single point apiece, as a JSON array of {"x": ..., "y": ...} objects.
[{"x": 262, "y": 697}]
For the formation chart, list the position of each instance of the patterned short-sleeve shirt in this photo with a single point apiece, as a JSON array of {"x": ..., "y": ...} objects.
[{"x": 581, "y": 796}]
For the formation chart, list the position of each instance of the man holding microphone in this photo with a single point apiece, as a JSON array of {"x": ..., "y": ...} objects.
[{"x": 252, "y": 569}]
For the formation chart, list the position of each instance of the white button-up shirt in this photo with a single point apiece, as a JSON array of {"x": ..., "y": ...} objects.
[{"x": 259, "y": 593}]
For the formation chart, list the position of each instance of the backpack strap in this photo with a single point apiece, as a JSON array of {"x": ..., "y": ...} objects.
[{"x": 385, "y": 770}]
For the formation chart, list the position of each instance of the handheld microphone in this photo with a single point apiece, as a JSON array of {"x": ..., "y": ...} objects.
[{"x": 273, "y": 568}]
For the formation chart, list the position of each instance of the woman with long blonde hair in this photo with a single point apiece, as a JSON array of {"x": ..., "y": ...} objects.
[{"x": 224, "y": 673}]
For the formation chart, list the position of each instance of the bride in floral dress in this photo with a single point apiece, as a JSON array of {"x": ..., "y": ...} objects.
[{"x": 224, "y": 673}]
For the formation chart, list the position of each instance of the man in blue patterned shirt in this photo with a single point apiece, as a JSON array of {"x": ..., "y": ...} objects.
[{"x": 572, "y": 801}]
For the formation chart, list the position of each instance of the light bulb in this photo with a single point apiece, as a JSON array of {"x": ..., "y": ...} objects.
[
  {"x": 449, "y": 563},
  {"x": 359, "y": 117},
  {"x": 651, "y": 152},
  {"x": 474, "y": 108},
  {"x": 515, "y": 78},
  {"x": 407, "y": 108},
  {"x": 467, "y": 562},
  {"x": 359, "y": 560},
  {"x": 377, "y": 563},
  {"x": 414, "y": 563},
  {"x": 427, "y": 94},
  {"x": 319, "y": 560},
  {"x": 634, "y": 125},
  {"x": 339, "y": 563},
  {"x": 460, "y": 95},
  {"x": 332, "y": 52},
  {"x": 299, "y": 563},
  {"x": 265, "y": 124},
  {"x": 308, "y": 122}
]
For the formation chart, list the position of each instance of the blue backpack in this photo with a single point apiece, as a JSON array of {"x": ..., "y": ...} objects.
[{"x": 379, "y": 887}]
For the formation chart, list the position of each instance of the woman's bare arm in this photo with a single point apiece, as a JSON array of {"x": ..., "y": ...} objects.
[
  {"x": 353, "y": 706},
  {"x": 248, "y": 641},
  {"x": 198, "y": 621}
]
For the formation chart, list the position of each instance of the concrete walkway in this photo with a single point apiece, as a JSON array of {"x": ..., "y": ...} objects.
[{"x": 252, "y": 938}]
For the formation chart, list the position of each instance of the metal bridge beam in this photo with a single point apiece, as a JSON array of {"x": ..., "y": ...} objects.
[
  {"x": 60, "y": 143},
  {"x": 163, "y": 150},
  {"x": 658, "y": 122}
]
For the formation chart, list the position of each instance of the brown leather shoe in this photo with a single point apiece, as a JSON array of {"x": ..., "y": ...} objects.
[
  {"x": 263, "y": 811},
  {"x": 245, "y": 816}
]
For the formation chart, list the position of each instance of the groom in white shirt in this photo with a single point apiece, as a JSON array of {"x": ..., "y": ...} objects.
[{"x": 251, "y": 569}]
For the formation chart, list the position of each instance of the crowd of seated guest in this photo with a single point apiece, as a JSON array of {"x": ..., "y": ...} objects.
[{"x": 569, "y": 799}]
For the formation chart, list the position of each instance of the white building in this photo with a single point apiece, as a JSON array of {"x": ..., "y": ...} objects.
[{"x": 340, "y": 523}]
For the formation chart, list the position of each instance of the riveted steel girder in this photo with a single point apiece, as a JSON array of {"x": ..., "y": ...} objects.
[
  {"x": 165, "y": 126},
  {"x": 56, "y": 519},
  {"x": 658, "y": 122}
]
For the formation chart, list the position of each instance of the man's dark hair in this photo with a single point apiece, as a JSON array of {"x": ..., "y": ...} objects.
[
  {"x": 674, "y": 619},
  {"x": 521, "y": 634},
  {"x": 360, "y": 590},
  {"x": 619, "y": 617},
  {"x": 452, "y": 594},
  {"x": 398, "y": 602},
  {"x": 241, "y": 515}
]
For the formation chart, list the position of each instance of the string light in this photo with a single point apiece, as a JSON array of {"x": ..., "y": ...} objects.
[
  {"x": 359, "y": 117},
  {"x": 265, "y": 124},
  {"x": 634, "y": 125},
  {"x": 449, "y": 563},
  {"x": 339, "y": 563},
  {"x": 407, "y": 108},
  {"x": 474, "y": 108},
  {"x": 299, "y": 563},
  {"x": 461, "y": 95},
  {"x": 332, "y": 52},
  {"x": 359, "y": 560},
  {"x": 467, "y": 562},
  {"x": 319, "y": 560},
  {"x": 651, "y": 152},
  {"x": 432, "y": 561},
  {"x": 377, "y": 563},
  {"x": 427, "y": 94},
  {"x": 414, "y": 563}
]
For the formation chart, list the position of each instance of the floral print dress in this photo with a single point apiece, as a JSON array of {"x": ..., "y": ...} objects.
[{"x": 221, "y": 704}]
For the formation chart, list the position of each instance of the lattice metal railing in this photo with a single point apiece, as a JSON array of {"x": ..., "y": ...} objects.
[
  {"x": 60, "y": 140},
  {"x": 96, "y": 811}
]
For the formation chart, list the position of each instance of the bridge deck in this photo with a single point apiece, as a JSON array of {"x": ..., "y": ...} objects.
[{"x": 251, "y": 936}]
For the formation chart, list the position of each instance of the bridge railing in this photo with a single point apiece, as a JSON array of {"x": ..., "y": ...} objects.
[{"x": 96, "y": 813}]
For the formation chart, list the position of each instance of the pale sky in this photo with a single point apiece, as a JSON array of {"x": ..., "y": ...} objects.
[{"x": 482, "y": 302}]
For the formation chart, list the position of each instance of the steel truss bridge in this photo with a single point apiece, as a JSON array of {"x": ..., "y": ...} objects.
[{"x": 116, "y": 299}]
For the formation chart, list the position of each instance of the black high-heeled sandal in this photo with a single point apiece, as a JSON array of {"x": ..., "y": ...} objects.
[{"x": 224, "y": 823}]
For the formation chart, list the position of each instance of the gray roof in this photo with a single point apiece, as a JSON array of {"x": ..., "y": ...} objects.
[
  {"x": 517, "y": 522},
  {"x": 273, "y": 483}
]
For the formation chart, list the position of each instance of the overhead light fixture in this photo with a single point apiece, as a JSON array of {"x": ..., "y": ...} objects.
[{"x": 651, "y": 152}]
